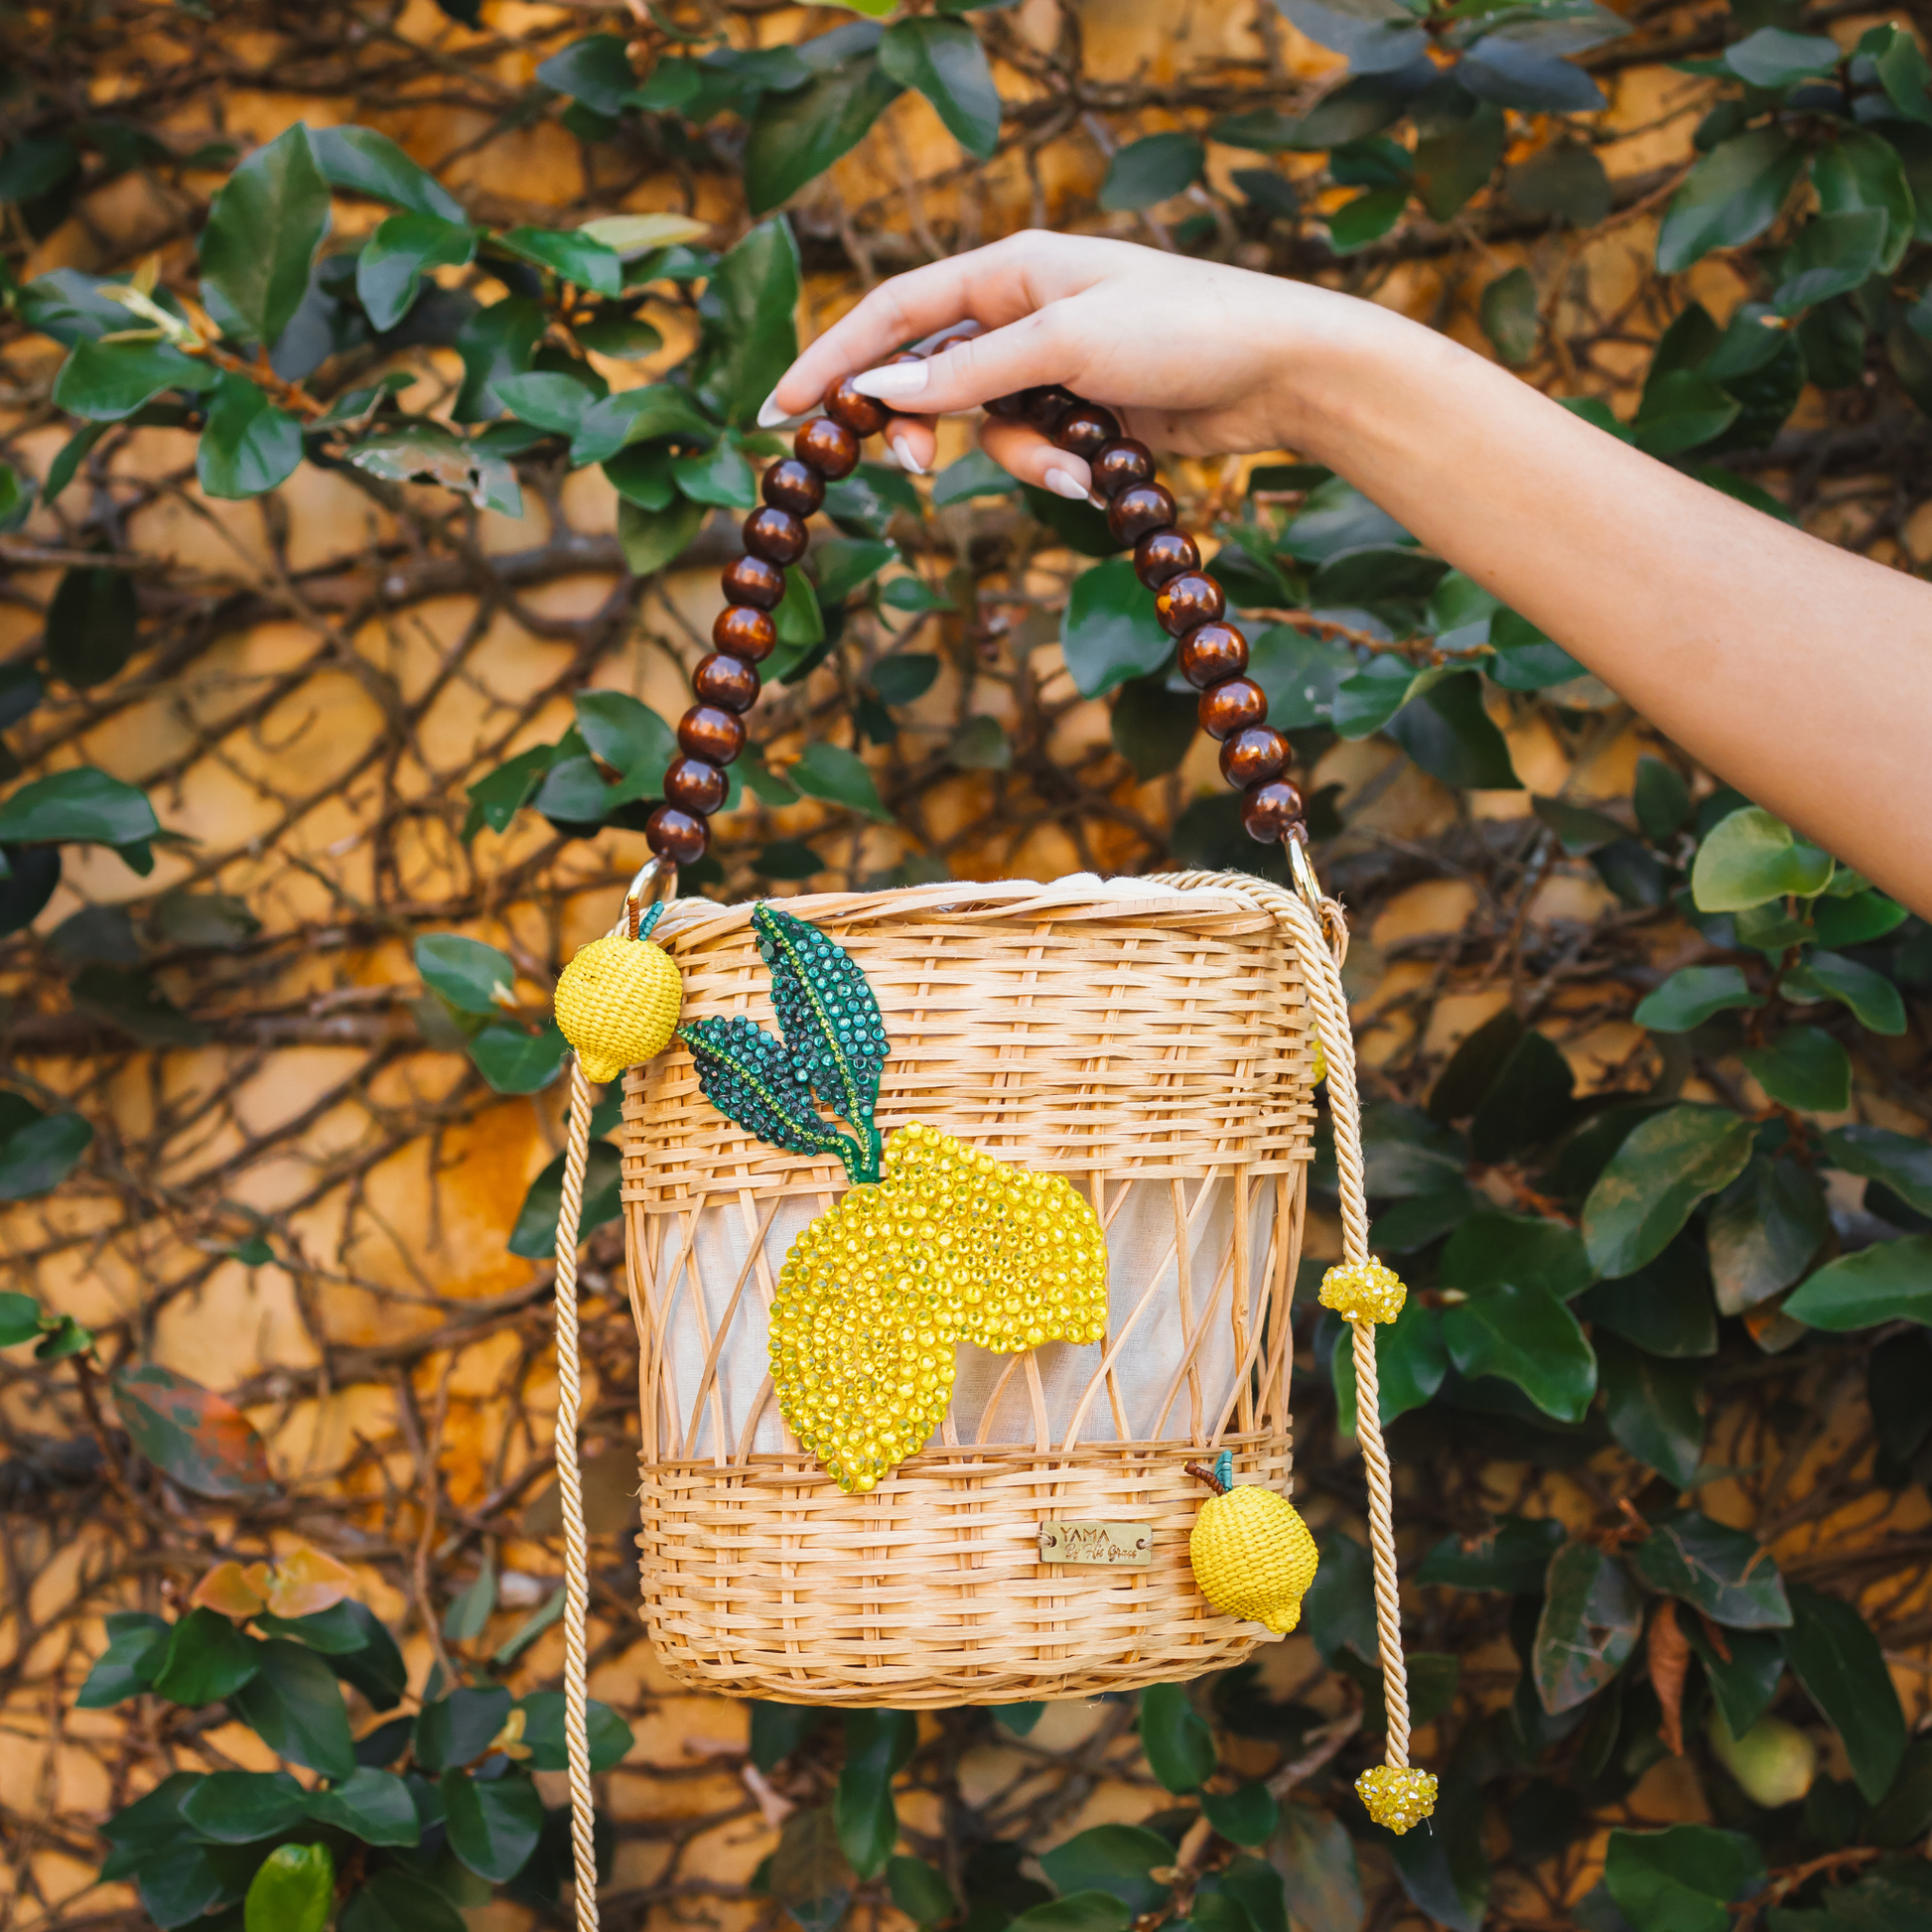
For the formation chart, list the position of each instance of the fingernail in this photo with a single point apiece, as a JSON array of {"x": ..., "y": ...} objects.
[
  {"x": 907, "y": 460},
  {"x": 769, "y": 414},
  {"x": 896, "y": 379},
  {"x": 1063, "y": 482}
]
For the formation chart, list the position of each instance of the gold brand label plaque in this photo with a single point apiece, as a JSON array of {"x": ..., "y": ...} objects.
[{"x": 1105, "y": 1543}]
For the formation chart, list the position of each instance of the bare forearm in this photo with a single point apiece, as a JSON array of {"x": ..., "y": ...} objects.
[{"x": 1796, "y": 671}]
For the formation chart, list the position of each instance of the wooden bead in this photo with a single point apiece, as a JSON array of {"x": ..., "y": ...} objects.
[
  {"x": 1084, "y": 430},
  {"x": 1253, "y": 756},
  {"x": 830, "y": 447},
  {"x": 677, "y": 835},
  {"x": 727, "y": 682},
  {"x": 1270, "y": 810},
  {"x": 1228, "y": 707},
  {"x": 743, "y": 630},
  {"x": 1008, "y": 408},
  {"x": 1043, "y": 407},
  {"x": 1211, "y": 651},
  {"x": 751, "y": 580},
  {"x": 1162, "y": 554},
  {"x": 705, "y": 732},
  {"x": 794, "y": 486},
  {"x": 1138, "y": 509},
  {"x": 861, "y": 415},
  {"x": 695, "y": 785},
  {"x": 1187, "y": 600},
  {"x": 1119, "y": 465},
  {"x": 776, "y": 535}
]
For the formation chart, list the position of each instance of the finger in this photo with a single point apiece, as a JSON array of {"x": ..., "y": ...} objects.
[
  {"x": 992, "y": 285},
  {"x": 913, "y": 441},
  {"x": 1046, "y": 347},
  {"x": 1026, "y": 453}
]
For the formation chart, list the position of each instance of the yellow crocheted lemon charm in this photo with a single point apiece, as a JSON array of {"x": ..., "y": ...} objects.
[
  {"x": 617, "y": 1001},
  {"x": 1252, "y": 1553},
  {"x": 1363, "y": 1291},
  {"x": 1397, "y": 1796}
]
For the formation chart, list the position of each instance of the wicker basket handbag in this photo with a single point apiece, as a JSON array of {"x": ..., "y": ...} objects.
[{"x": 1132, "y": 1062}]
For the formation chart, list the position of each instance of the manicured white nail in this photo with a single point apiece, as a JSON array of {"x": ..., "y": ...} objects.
[
  {"x": 769, "y": 414},
  {"x": 1063, "y": 482},
  {"x": 895, "y": 381},
  {"x": 907, "y": 460}
]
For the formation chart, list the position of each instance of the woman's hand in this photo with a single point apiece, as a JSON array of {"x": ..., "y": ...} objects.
[{"x": 1194, "y": 358}]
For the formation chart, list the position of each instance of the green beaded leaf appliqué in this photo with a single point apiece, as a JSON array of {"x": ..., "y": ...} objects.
[{"x": 834, "y": 1046}]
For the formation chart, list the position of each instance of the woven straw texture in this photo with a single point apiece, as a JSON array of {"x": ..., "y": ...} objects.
[{"x": 1150, "y": 1041}]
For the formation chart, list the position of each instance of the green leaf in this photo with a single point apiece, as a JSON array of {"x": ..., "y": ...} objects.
[
  {"x": 1663, "y": 1167},
  {"x": 1833, "y": 255},
  {"x": 547, "y": 399},
  {"x": 1890, "y": 1280},
  {"x": 1366, "y": 218},
  {"x": 1340, "y": 1607},
  {"x": 1528, "y": 1338},
  {"x": 1832, "y": 1653},
  {"x": 374, "y": 1805},
  {"x": 778, "y": 1729},
  {"x": 1110, "y": 630},
  {"x": 1078, "y": 1911},
  {"x": 1492, "y": 1248},
  {"x": 1903, "y": 74},
  {"x": 1410, "y": 1364},
  {"x": 1114, "y": 1859},
  {"x": 609, "y": 1739},
  {"x": 755, "y": 288},
  {"x": 650, "y": 542},
  {"x": 137, "y": 1645},
  {"x": 981, "y": 745},
  {"x": 1247, "y": 1815},
  {"x": 1513, "y": 1558},
  {"x": 1856, "y": 917},
  {"x": 292, "y": 1889},
  {"x": 1374, "y": 573},
  {"x": 1680, "y": 1879},
  {"x": 294, "y": 1706},
  {"x": 397, "y": 1900},
  {"x": 493, "y": 343},
  {"x": 1320, "y": 1870},
  {"x": 643, "y": 477},
  {"x": 631, "y": 738},
  {"x": 469, "y": 1613},
  {"x": 1152, "y": 169},
  {"x": 264, "y": 227},
  {"x": 1743, "y": 1683},
  {"x": 1900, "y": 1162},
  {"x": 1805, "y": 1070},
  {"x": 457, "y": 1728},
  {"x": 1366, "y": 701},
  {"x": 1177, "y": 1743},
  {"x": 249, "y": 445},
  {"x": 206, "y": 1660},
  {"x": 1724, "y": 1572},
  {"x": 1763, "y": 1230},
  {"x": 750, "y": 1078},
  {"x": 905, "y": 677},
  {"x": 194, "y": 1437},
  {"x": 809, "y": 1876},
  {"x": 920, "y": 1892},
  {"x": 796, "y": 136},
  {"x": 1151, "y": 727},
  {"x": 1510, "y": 316},
  {"x": 595, "y": 70},
  {"x": 1730, "y": 198},
  {"x": 426, "y": 452},
  {"x": 571, "y": 257},
  {"x": 1662, "y": 800},
  {"x": 1693, "y": 995},
  {"x": 102, "y": 383},
  {"x": 1563, "y": 182},
  {"x": 839, "y": 776},
  {"x": 974, "y": 474},
  {"x": 19, "y": 1319},
  {"x": 234, "y": 1807},
  {"x": 389, "y": 271},
  {"x": 943, "y": 61},
  {"x": 535, "y": 1233},
  {"x": 1875, "y": 1001},
  {"x": 1862, "y": 171},
  {"x": 1653, "y": 1407},
  {"x": 719, "y": 477},
  {"x": 1592, "y": 1618},
  {"x": 515, "y": 1061},
  {"x": 93, "y": 628},
  {"x": 470, "y": 976},
  {"x": 878, "y": 1744},
  {"x": 1773, "y": 57},
  {"x": 369, "y": 163},
  {"x": 494, "y": 1823},
  {"x": 1753, "y": 857}
]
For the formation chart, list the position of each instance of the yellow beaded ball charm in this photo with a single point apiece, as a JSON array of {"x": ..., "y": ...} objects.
[
  {"x": 617, "y": 1001},
  {"x": 1397, "y": 1795},
  {"x": 1251, "y": 1553},
  {"x": 938, "y": 1243},
  {"x": 1363, "y": 1291}
]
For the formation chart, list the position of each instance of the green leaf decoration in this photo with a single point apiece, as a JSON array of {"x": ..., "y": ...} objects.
[
  {"x": 1177, "y": 1743},
  {"x": 878, "y": 1744},
  {"x": 1663, "y": 1167},
  {"x": 750, "y": 1078},
  {"x": 1587, "y": 1631},
  {"x": 193, "y": 1436},
  {"x": 292, "y": 1889},
  {"x": 830, "y": 1019},
  {"x": 943, "y": 61},
  {"x": 1834, "y": 1656},
  {"x": 263, "y": 229}
]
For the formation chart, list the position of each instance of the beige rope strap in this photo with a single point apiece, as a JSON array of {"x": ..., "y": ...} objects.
[{"x": 570, "y": 1477}]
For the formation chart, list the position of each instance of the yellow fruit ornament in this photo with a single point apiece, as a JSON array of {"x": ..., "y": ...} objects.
[
  {"x": 938, "y": 1242},
  {"x": 618, "y": 1000},
  {"x": 1252, "y": 1553}
]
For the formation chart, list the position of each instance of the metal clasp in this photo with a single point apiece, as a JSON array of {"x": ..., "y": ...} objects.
[{"x": 635, "y": 898}]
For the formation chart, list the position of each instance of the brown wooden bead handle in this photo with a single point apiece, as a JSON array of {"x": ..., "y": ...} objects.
[{"x": 1213, "y": 655}]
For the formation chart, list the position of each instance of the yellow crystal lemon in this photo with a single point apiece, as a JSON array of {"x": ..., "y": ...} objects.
[
  {"x": 1253, "y": 1556},
  {"x": 617, "y": 1003},
  {"x": 950, "y": 1245}
]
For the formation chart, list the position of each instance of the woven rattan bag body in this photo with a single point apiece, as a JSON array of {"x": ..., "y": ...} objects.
[{"x": 1149, "y": 1040}]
